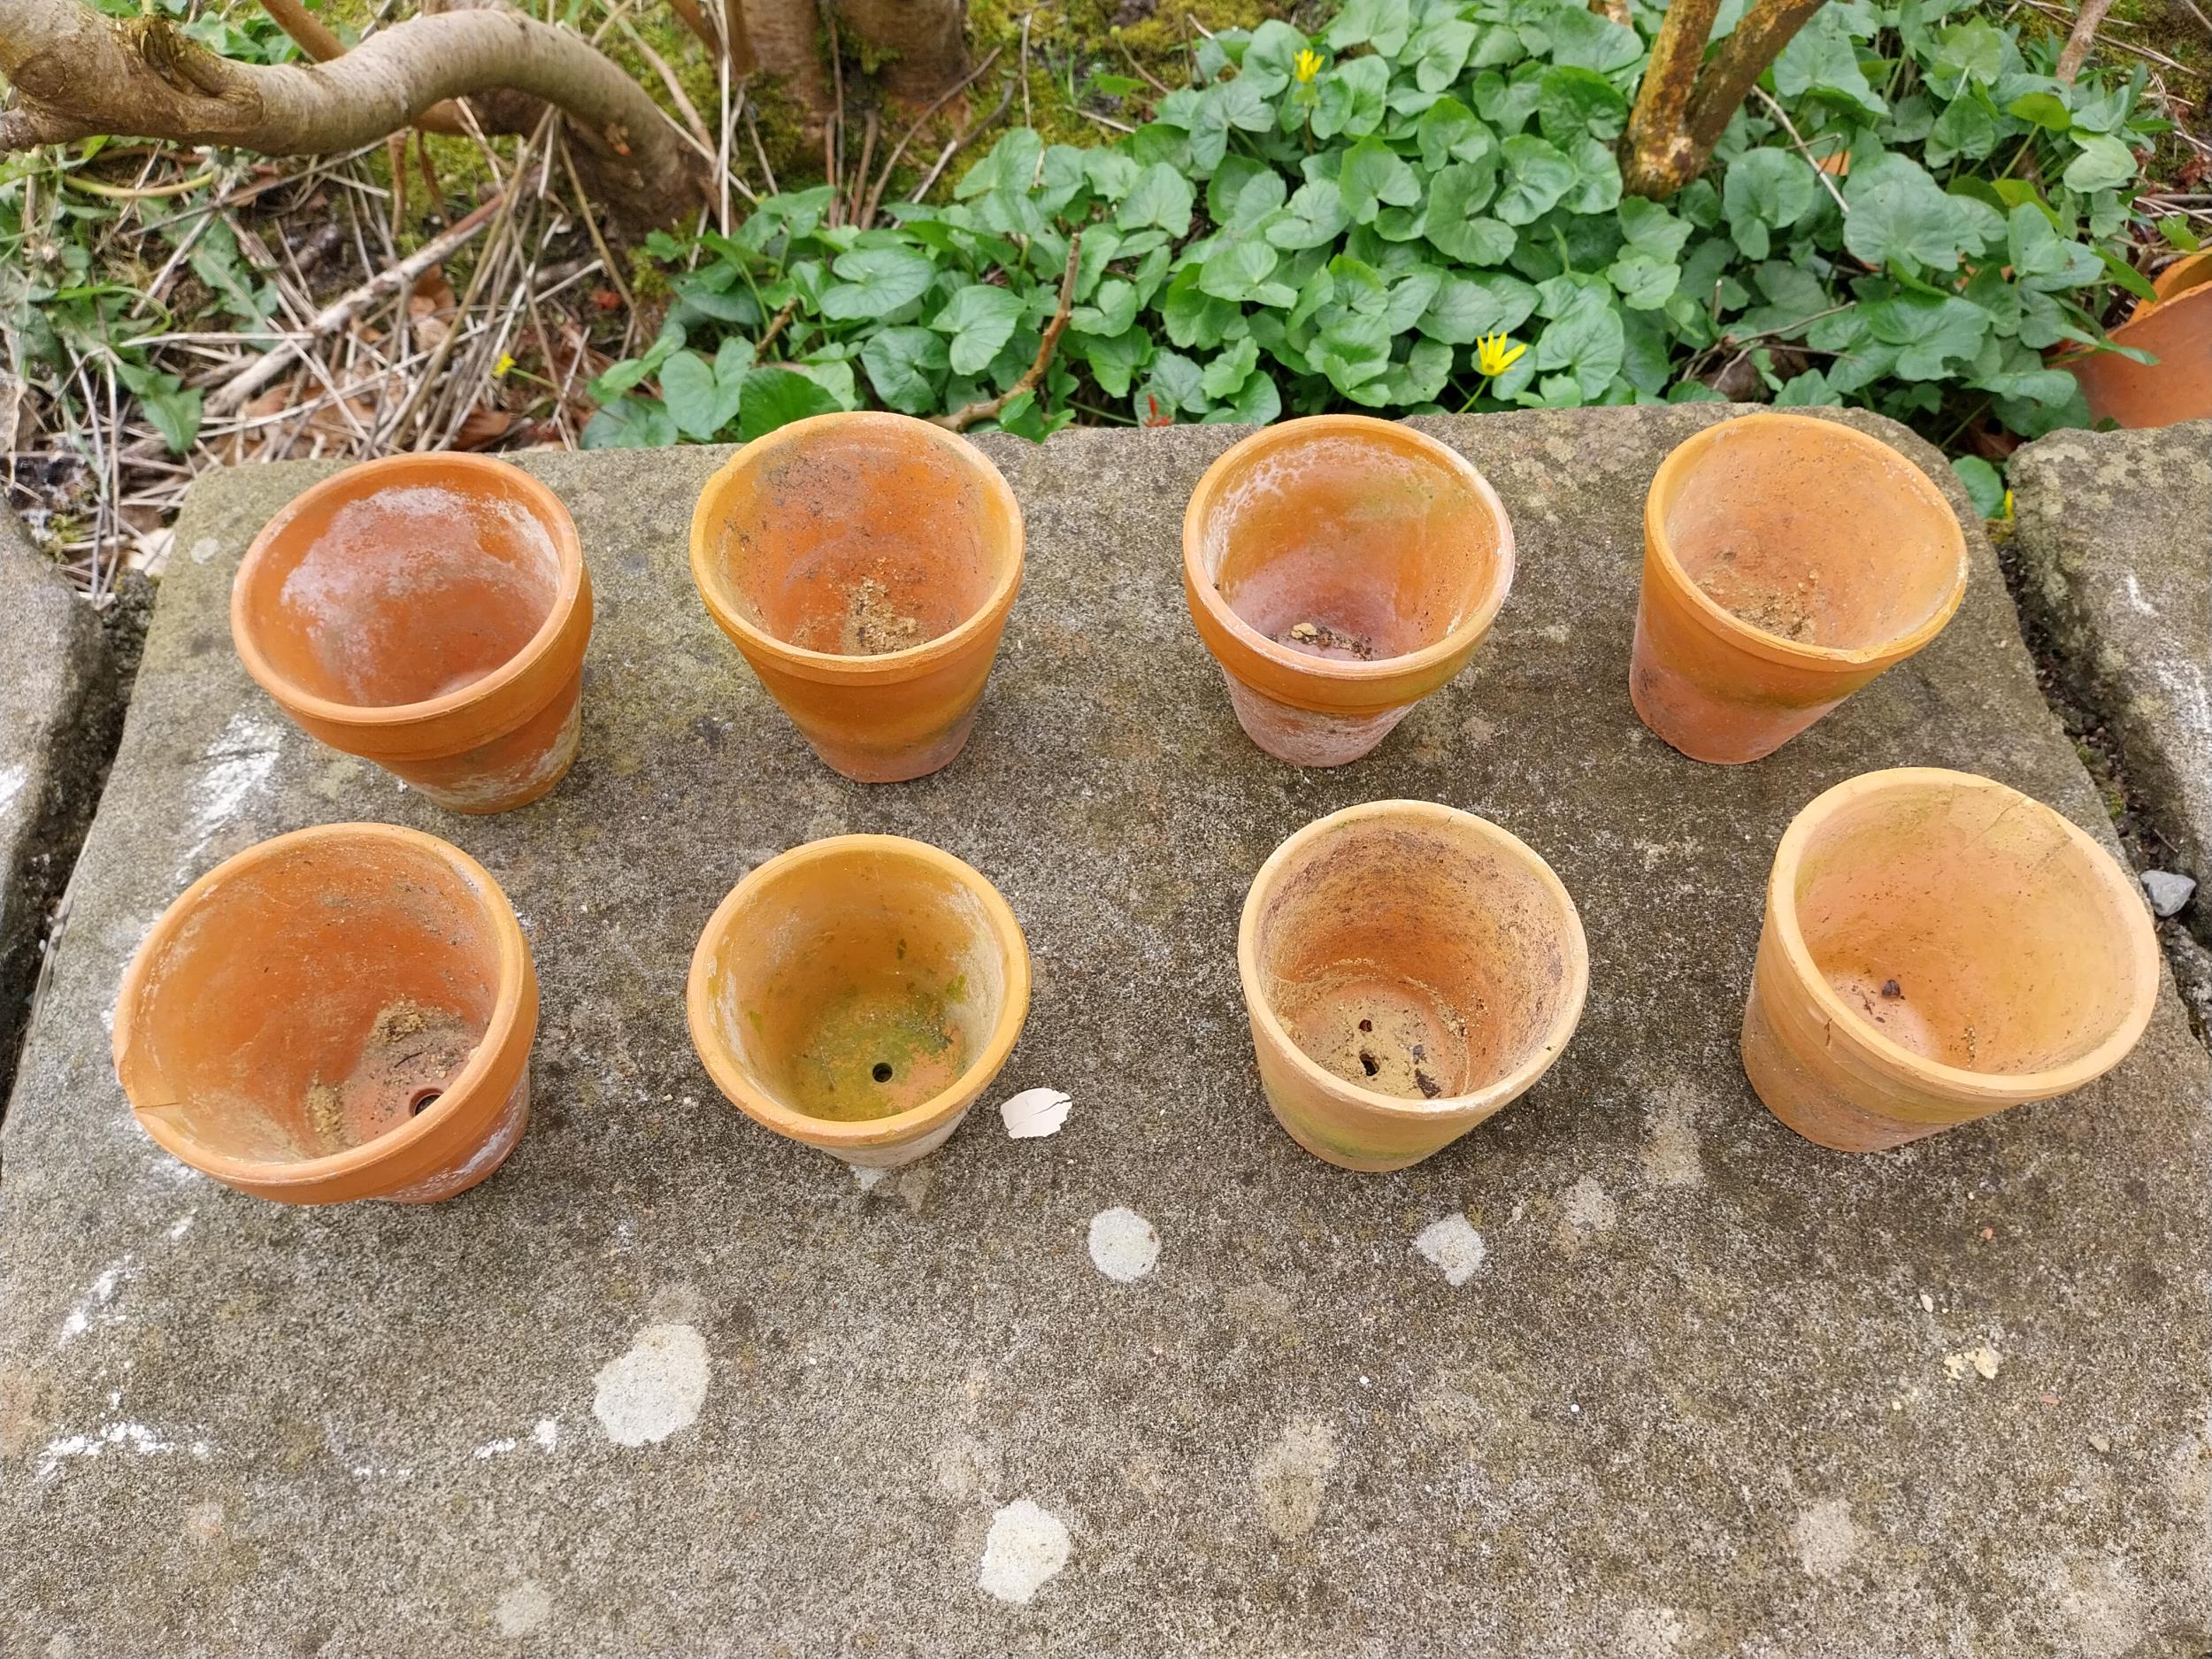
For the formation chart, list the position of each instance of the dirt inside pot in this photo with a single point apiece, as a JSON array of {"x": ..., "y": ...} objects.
[
  {"x": 859, "y": 540},
  {"x": 1342, "y": 548},
  {"x": 1408, "y": 963},
  {"x": 1819, "y": 543},
  {"x": 1969, "y": 928},
  {"x": 406, "y": 592},
  {"x": 315, "y": 1003}
]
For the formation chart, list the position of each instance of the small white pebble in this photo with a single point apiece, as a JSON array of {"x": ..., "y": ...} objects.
[
  {"x": 1927, "y": 1303},
  {"x": 1034, "y": 1113}
]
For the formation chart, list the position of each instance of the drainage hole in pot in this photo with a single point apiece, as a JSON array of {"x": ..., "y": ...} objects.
[
  {"x": 1367, "y": 1061},
  {"x": 1367, "y": 1025},
  {"x": 422, "y": 1100},
  {"x": 882, "y": 1073}
]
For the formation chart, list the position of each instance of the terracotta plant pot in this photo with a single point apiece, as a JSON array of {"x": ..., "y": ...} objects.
[
  {"x": 865, "y": 564},
  {"x": 427, "y": 612},
  {"x": 1340, "y": 569},
  {"x": 2176, "y": 328},
  {"x": 1787, "y": 561},
  {"x": 339, "y": 1013},
  {"x": 1938, "y": 947},
  {"x": 859, "y": 993},
  {"x": 1408, "y": 969}
]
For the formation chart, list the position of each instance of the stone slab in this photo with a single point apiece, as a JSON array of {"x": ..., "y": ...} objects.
[
  {"x": 1709, "y": 1389},
  {"x": 2114, "y": 536},
  {"x": 53, "y": 661}
]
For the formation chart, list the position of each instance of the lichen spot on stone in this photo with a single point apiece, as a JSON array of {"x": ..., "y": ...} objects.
[
  {"x": 522, "y": 1608},
  {"x": 1824, "y": 1538},
  {"x": 1123, "y": 1245},
  {"x": 1027, "y": 1545},
  {"x": 656, "y": 1388},
  {"x": 1291, "y": 1476},
  {"x": 1452, "y": 1246}
]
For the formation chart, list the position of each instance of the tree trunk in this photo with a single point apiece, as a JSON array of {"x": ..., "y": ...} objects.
[
  {"x": 1680, "y": 114},
  {"x": 922, "y": 44},
  {"x": 779, "y": 38},
  {"x": 76, "y": 73}
]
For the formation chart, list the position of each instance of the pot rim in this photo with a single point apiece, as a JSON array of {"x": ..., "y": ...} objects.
[
  {"x": 1206, "y": 592},
  {"x": 1721, "y": 620},
  {"x": 829, "y": 1134},
  {"x": 2006, "y": 1087},
  {"x": 1556, "y": 1035},
  {"x": 832, "y": 666},
  {"x": 552, "y": 515},
  {"x": 489, "y": 1056}
]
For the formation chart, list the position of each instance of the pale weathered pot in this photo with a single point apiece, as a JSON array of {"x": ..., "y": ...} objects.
[
  {"x": 1938, "y": 947},
  {"x": 427, "y": 612},
  {"x": 1340, "y": 569},
  {"x": 1787, "y": 561},
  {"x": 340, "y": 1013},
  {"x": 865, "y": 564},
  {"x": 2176, "y": 328},
  {"x": 859, "y": 993},
  {"x": 1408, "y": 969}
]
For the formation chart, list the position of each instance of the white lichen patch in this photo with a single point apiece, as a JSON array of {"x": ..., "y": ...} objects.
[
  {"x": 236, "y": 768},
  {"x": 1452, "y": 1246},
  {"x": 114, "y": 1437},
  {"x": 1824, "y": 1538},
  {"x": 654, "y": 1389},
  {"x": 547, "y": 1435},
  {"x": 12, "y": 781},
  {"x": 1034, "y": 1113},
  {"x": 522, "y": 1608},
  {"x": 1123, "y": 1245},
  {"x": 1291, "y": 1476},
  {"x": 96, "y": 1305},
  {"x": 1669, "y": 1154},
  {"x": 1983, "y": 1361},
  {"x": 1586, "y": 1211},
  {"x": 1027, "y": 1545}
]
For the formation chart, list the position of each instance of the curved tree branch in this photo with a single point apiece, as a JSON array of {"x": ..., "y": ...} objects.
[
  {"x": 77, "y": 73},
  {"x": 1766, "y": 29},
  {"x": 310, "y": 34},
  {"x": 1681, "y": 113}
]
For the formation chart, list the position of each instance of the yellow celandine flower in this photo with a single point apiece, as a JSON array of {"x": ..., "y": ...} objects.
[
  {"x": 506, "y": 362},
  {"x": 2008, "y": 508},
  {"x": 1307, "y": 65},
  {"x": 1494, "y": 354}
]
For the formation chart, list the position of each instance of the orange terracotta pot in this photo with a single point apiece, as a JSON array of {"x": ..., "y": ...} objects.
[
  {"x": 1340, "y": 569},
  {"x": 2176, "y": 328},
  {"x": 1938, "y": 947},
  {"x": 1787, "y": 561},
  {"x": 865, "y": 564},
  {"x": 340, "y": 1013},
  {"x": 427, "y": 612},
  {"x": 1408, "y": 969},
  {"x": 858, "y": 994}
]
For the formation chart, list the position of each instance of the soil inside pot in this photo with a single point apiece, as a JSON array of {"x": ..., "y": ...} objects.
[
  {"x": 878, "y": 1050},
  {"x": 1820, "y": 543},
  {"x": 1383, "y": 1030},
  {"x": 409, "y": 593},
  {"x": 412, "y": 1052}
]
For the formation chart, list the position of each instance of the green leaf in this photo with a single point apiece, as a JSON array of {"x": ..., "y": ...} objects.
[
  {"x": 878, "y": 281},
  {"x": 907, "y": 367},
  {"x": 1270, "y": 60},
  {"x": 1242, "y": 192},
  {"x": 1238, "y": 271},
  {"x": 1114, "y": 362},
  {"x": 1766, "y": 190},
  {"x": 1112, "y": 175},
  {"x": 1597, "y": 183},
  {"x": 2045, "y": 110},
  {"x": 1571, "y": 102},
  {"x": 1585, "y": 336},
  {"x": 1383, "y": 23},
  {"x": 1314, "y": 217},
  {"x": 1180, "y": 382},
  {"x": 775, "y": 397},
  {"x": 1161, "y": 196},
  {"x": 1372, "y": 174},
  {"x": 1439, "y": 52},
  {"x": 2179, "y": 234},
  {"x": 1973, "y": 51},
  {"x": 1822, "y": 61},
  {"x": 2104, "y": 163},
  {"x": 1350, "y": 99},
  {"x": 1931, "y": 332},
  {"x": 1968, "y": 126},
  {"x": 1113, "y": 309},
  {"x": 629, "y": 423},
  {"x": 1225, "y": 372},
  {"x": 1537, "y": 174},
  {"x": 1581, "y": 39},
  {"x": 1984, "y": 485},
  {"x": 981, "y": 320},
  {"x": 174, "y": 411},
  {"x": 1808, "y": 390},
  {"x": 1898, "y": 213},
  {"x": 1645, "y": 281},
  {"x": 1466, "y": 307},
  {"x": 1012, "y": 163},
  {"x": 1652, "y": 228},
  {"x": 698, "y": 404},
  {"x": 2043, "y": 259},
  {"x": 1449, "y": 132}
]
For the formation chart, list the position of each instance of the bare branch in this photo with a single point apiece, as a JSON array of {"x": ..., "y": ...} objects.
[
  {"x": 2075, "y": 51},
  {"x": 1657, "y": 159},
  {"x": 1758, "y": 39}
]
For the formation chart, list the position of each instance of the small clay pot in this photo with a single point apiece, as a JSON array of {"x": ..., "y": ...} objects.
[
  {"x": 427, "y": 612},
  {"x": 340, "y": 1013},
  {"x": 1787, "y": 561},
  {"x": 1340, "y": 569},
  {"x": 865, "y": 564},
  {"x": 2176, "y": 329},
  {"x": 858, "y": 994},
  {"x": 1938, "y": 947},
  {"x": 1408, "y": 969}
]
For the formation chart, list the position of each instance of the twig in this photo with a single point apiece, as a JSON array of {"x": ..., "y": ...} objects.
[
  {"x": 954, "y": 146},
  {"x": 1789, "y": 126},
  {"x": 591, "y": 226},
  {"x": 1157, "y": 84},
  {"x": 138, "y": 193},
  {"x": 833, "y": 134},
  {"x": 860, "y": 172},
  {"x": 2075, "y": 51},
  {"x": 776, "y": 326},
  {"x": 767, "y": 173},
  {"x": 962, "y": 419},
  {"x": 883, "y": 178},
  {"x": 1028, "y": 17},
  {"x": 1105, "y": 120},
  {"x": 349, "y": 306},
  {"x": 675, "y": 88}
]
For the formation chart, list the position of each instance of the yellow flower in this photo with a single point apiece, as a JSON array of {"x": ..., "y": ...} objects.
[
  {"x": 2007, "y": 509},
  {"x": 1494, "y": 354},
  {"x": 1307, "y": 65},
  {"x": 506, "y": 362}
]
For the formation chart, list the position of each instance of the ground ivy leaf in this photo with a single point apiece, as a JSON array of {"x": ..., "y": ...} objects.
[
  {"x": 2104, "y": 163},
  {"x": 1645, "y": 281},
  {"x": 695, "y": 400},
  {"x": 1536, "y": 174},
  {"x": 1898, "y": 212},
  {"x": 1572, "y": 102},
  {"x": 878, "y": 281},
  {"x": 1465, "y": 308},
  {"x": 1765, "y": 191},
  {"x": 981, "y": 319},
  {"x": 1372, "y": 174},
  {"x": 1160, "y": 196},
  {"x": 1929, "y": 333},
  {"x": 1449, "y": 132},
  {"x": 907, "y": 367},
  {"x": 1314, "y": 216}
]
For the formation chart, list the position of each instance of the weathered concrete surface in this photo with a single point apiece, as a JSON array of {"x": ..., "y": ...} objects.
[
  {"x": 1709, "y": 1387},
  {"x": 52, "y": 666},
  {"x": 2114, "y": 536}
]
